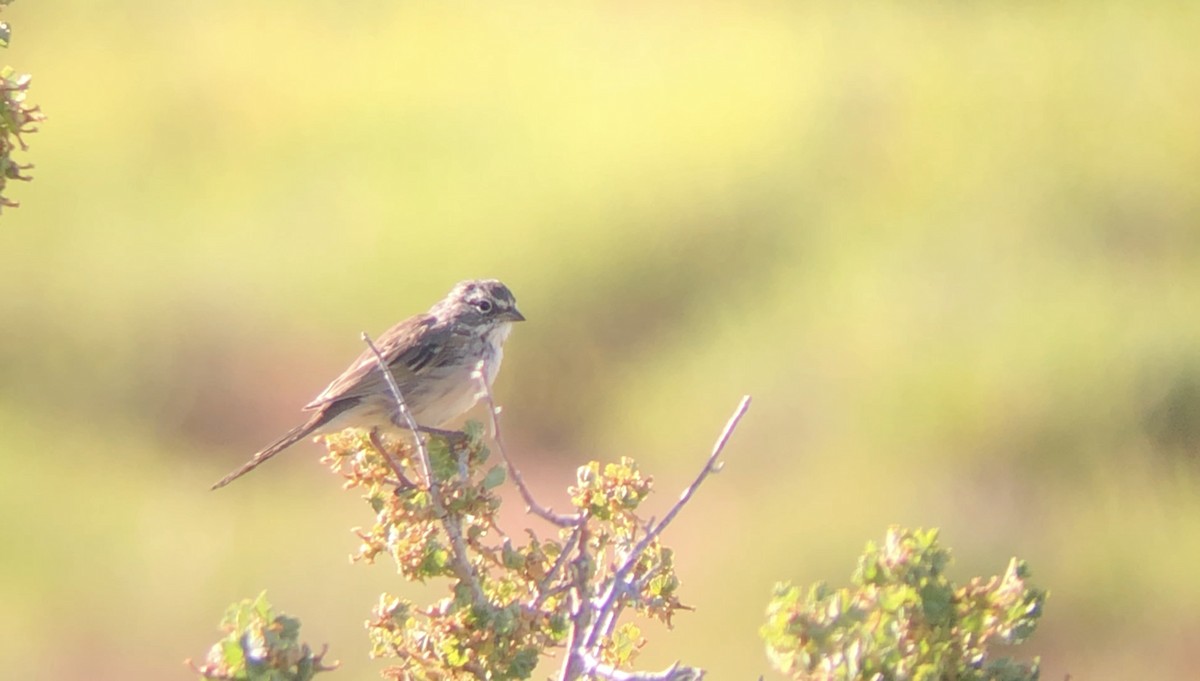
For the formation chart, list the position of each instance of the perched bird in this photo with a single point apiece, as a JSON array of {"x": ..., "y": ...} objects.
[{"x": 432, "y": 357}]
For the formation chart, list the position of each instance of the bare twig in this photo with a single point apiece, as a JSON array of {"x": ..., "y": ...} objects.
[
  {"x": 543, "y": 589},
  {"x": 461, "y": 564},
  {"x": 319, "y": 660},
  {"x": 673, "y": 673},
  {"x": 606, "y": 605},
  {"x": 709, "y": 466},
  {"x": 531, "y": 504},
  {"x": 575, "y": 663},
  {"x": 377, "y": 443},
  {"x": 404, "y": 412}
]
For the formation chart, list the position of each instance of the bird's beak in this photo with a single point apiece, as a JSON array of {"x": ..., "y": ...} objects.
[{"x": 514, "y": 315}]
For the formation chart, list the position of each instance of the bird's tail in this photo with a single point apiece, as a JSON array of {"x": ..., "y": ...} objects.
[{"x": 294, "y": 435}]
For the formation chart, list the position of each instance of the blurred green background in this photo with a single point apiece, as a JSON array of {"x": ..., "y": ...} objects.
[{"x": 951, "y": 248}]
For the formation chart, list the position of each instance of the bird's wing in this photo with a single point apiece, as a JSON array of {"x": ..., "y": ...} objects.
[{"x": 406, "y": 348}]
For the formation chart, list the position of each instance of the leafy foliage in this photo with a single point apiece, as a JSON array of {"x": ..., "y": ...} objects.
[
  {"x": 16, "y": 118},
  {"x": 904, "y": 619},
  {"x": 260, "y": 646},
  {"x": 510, "y": 602}
]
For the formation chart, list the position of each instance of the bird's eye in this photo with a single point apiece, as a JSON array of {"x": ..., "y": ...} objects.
[{"x": 484, "y": 306}]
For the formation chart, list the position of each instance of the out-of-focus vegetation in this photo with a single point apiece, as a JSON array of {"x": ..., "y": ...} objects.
[
  {"x": 904, "y": 619},
  {"x": 261, "y": 646},
  {"x": 17, "y": 117},
  {"x": 511, "y": 600},
  {"x": 952, "y": 249}
]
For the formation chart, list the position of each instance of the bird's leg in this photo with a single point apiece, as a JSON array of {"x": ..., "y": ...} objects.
[{"x": 451, "y": 435}]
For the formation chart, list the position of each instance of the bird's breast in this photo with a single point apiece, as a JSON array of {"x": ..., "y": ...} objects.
[{"x": 452, "y": 394}]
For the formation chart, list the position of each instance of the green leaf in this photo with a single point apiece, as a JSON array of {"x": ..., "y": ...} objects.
[
  {"x": 441, "y": 460},
  {"x": 938, "y": 602},
  {"x": 262, "y": 607},
  {"x": 5, "y": 34},
  {"x": 232, "y": 653},
  {"x": 559, "y": 626},
  {"x": 495, "y": 477},
  {"x": 289, "y": 628},
  {"x": 454, "y": 654},
  {"x": 512, "y": 558},
  {"x": 625, "y": 643},
  {"x": 904, "y": 619},
  {"x": 473, "y": 430},
  {"x": 523, "y": 664}
]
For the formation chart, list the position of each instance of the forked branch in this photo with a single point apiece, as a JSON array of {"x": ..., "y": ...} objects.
[
  {"x": 595, "y": 616},
  {"x": 531, "y": 504}
]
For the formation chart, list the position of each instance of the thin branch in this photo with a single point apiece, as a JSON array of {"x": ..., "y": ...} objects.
[
  {"x": 376, "y": 442},
  {"x": 462, "y": 564},
  {"x": 673, "y": 673},
  {"x": 543, "y": 588},
  {"x": 404, "y": 412},
  {"x": 709, "y": 467},
  {"x": 451, "y": 523},
  {"x": 617, "y": 585},
  {"x": 617, "y": 592},
  {"x": 581, "y": 613},
  {"x": 531, "y": 504}
]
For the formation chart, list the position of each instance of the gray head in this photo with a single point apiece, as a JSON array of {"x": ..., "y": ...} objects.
[{"x": 480, "y": 301}]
